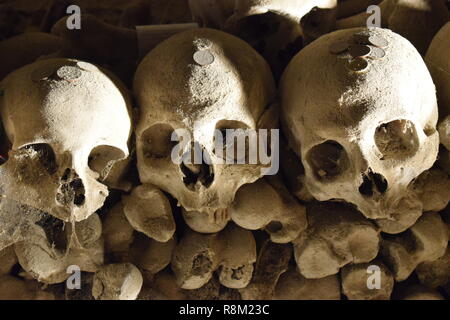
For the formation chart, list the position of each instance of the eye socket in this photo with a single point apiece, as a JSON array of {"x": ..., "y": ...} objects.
[
  {"x": 231, "y": 141},
  {"x": 40, "y": 154},
  {"x": 103, "y": 158},
  {"x": 397, "y": 139},
  {"x": 157, "y": 141},
  {"x": 327, "y": 160}
]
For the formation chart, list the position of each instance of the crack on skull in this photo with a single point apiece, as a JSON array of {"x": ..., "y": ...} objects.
[
  {"x": 71, "y": 189},
  {"x": 373, "y": 183}
]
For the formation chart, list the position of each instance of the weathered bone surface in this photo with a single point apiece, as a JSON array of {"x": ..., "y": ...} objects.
[
  {"x": 266, "y": 204},
  {"x": 444, "y": 132},
  {"x": 416, "y": 20},
  {"x": 426, "y": 241},
  {"x": 96, "y": 40},
  {"x": 418, "y": 292},
  {"x": 359, "y": 114},
  {"x": 349, "y": 8},
  {"x": 231, "y": 252},
  {"x": 355, "y": 280},
  {"x": 19, "y": 222},
  {"x": 24, "y": 49},
  {"x": 293, "y": 286},
  {"x": 433, "y": 189},
  {"x": 148, "y": 211},
  {"x": 58, "y": 246},
  {"x": 444, "y": 136},
  {"x": 54, "y": 166},
  {"x": 164, "y": 287},
  {"x": 359, "y": 140},
  {"x": 271, "y": 26},
  {"x": 12, "y": 288},
  {"x": 435, "y": 273},
  {"x": 151, "y": 255},
  {"x": 273, "y": 260},
  {"x": 231, "y": 14},
  {"x": 199, "y": 80},
  {"x": 121, "y": 281},
  {"x": 337, "y": 235},
  {"x": 117, "y": 231},
  {"x": 8, "y": 259},
  {"x": 439, "y": 65},
  {"x": 293, "y": 173},
  {"x": 206, "y": 223}
]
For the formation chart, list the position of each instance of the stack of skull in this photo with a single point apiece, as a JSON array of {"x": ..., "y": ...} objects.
[{"x": 359, "y": 187}]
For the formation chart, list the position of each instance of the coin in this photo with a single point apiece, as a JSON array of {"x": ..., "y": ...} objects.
[
  {"x": 203, "y": 57},
  {"x": 377, "y": 53},
  {"x": 339, "y": 47},
  {"x": 359, "y": 50},
  {"x": 358, "y": 65},
  {"x": 68, "y": 73},
  {"x": 378, "y": 41}
]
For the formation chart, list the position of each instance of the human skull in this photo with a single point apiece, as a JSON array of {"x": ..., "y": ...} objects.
[
  {"x": 271, "y": 26},
  {"x": 67, "y": 123},
  {"x": 200, "y": 81},
  {"x": 359, "y": 108}
]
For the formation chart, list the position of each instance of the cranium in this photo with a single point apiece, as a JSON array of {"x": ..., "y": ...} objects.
[
  {"x": 360, "y": 109},
  {"x": 439, "y": 64},
  {"x": 200, "y": 81},
  {"x": 271, "y": 26},
  {"x": 67, "y": 123},
  {"x": 416, "y": 20}
]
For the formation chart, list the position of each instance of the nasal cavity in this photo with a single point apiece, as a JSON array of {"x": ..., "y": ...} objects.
[
  {"x": 71, "y": 190},
  {"x": 196, "y": 167},
  {"x": 373, "y": 183}
]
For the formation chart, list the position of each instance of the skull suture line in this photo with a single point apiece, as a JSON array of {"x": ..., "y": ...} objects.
[
  {"x": 68, "y": 123},
  {"x": 359, "y": 108},
  {"x": 199, "y": 81}
]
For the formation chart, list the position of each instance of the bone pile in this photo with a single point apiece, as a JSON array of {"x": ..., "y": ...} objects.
[{"x": 93, "y": 206}]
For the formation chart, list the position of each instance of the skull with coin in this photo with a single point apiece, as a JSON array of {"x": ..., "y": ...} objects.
[
  {"x": 200, "y": 81},
  {"x": 67, "y": 123},
  {"x": 359, "y": 108}
]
